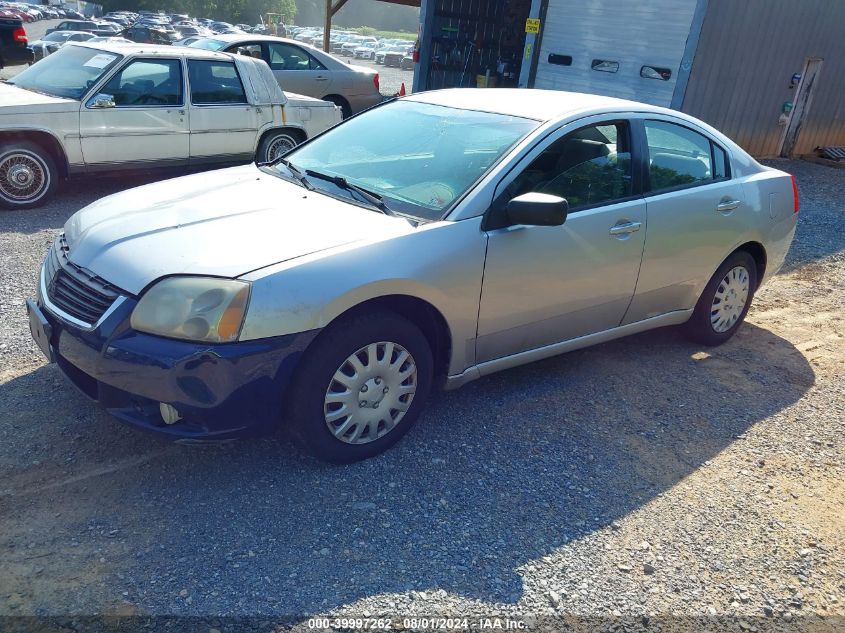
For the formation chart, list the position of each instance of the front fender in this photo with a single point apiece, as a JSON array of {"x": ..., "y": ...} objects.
[
  {"x": 66, "y": 139},
  {"x": 441, "y": 263}
]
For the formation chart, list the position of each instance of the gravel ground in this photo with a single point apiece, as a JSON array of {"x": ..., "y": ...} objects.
[
  {"x": 646, "y": 479},
  {"x": 390, "y": 79}
]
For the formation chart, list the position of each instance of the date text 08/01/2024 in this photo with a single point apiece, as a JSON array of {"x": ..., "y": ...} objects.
[{"x": 418, "y": 623}]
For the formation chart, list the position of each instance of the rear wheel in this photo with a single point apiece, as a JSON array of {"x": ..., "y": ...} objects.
[
  {"x": 722, "y": 307},
  {"x": 342, "y": 103},
  {"x": 275, "y": 145},
  {"x": 360, "y": 387},
  {"x": 28, "y": 175}
]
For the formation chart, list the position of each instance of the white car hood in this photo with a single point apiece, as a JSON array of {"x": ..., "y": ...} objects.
[
  {"x": 224, "y": 223},
  {"x": 14, "y": 100}
]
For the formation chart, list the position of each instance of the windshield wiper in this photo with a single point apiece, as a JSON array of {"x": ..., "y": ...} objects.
[
  {"x": 339, "y": 181},
  {"x": 294, "y": 170}
]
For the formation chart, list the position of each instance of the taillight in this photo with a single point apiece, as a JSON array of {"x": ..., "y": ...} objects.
[
  {"x": 795, "y": 201},
  {"x": 19, "y": 35},
  {"x": 376, "y": 82}
]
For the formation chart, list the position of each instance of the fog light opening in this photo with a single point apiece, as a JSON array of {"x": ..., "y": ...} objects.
[{"x": 169, "y": 414}]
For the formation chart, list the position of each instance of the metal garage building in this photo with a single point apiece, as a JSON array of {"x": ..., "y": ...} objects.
[{"x": 769, "y": 73}]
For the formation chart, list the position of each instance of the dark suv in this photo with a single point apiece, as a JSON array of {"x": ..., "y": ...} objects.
[
  {"x": 147, "y": 35},
  {"x": 13, "y": 43}
]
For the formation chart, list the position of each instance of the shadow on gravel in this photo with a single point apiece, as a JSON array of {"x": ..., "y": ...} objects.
[{"x": 494, "y": 476}]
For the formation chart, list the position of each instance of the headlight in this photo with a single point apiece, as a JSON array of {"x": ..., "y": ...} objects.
[{"x": 193, "y": 308}]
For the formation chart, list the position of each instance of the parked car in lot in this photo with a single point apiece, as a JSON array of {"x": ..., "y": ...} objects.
[
  {"x": 366, "y": 51},
  {"x": 55, "y": 40},
  {"x": 334, "y": 288},
  {"x": 149, "y": 35},
  {"x": 90, "y": 108},
  {"x": 305, "y": 70},
  {"x": 13, "y": 43},
  {"x": 349, "y": 47},
  {"x": 14, "y": 12},
  {"x": 76, "y": 25},
  {"x": 393, "y": 57}
]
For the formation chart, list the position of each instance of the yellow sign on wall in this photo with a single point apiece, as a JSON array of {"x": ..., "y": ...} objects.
[{"x": 532, "y": 25}]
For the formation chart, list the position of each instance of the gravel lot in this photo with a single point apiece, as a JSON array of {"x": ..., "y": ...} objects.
[{"x": 645, "y": 479}]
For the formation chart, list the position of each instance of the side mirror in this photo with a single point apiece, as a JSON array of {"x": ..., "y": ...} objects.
[
  {"x": 101, "y": 101},
  {"x": 537, "y": 209}
]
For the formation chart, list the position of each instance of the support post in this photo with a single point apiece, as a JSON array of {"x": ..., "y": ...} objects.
[
  {"x": 327, "y": 27},
  {"x": 331, "y": 9},
  {"x": 427, "y": 8}
]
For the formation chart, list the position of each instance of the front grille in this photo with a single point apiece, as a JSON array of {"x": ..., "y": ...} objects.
[{"x": 75, "y": 290}]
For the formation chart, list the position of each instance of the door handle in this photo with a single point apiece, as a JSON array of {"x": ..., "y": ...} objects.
[
  {"x": 322, "y": 78},
  {"x": 626, "y": 227},
  {"x": 727, "y": 205}
]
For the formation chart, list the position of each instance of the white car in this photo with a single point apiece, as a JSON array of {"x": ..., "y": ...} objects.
[
  {"x": 366, "y": 51},
  {"x": 90, "y": 108}
]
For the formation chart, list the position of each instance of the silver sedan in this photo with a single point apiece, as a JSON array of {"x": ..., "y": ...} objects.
[
  {"x": 305, "y": 70},
  {"x": 430, "y": 241}
]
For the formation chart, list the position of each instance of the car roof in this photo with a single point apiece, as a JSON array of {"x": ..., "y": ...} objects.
[
  {"x": 234, "y": 38},
  {"x": 541, "y": 105},
  {"x": 152, "y": 50}
]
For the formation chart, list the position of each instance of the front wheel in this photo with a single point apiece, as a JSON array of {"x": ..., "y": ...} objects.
[
  {"x": 722, "y": 307},
  {"x": 28, "y": 175},
  {"x": 360, "y": 387}
]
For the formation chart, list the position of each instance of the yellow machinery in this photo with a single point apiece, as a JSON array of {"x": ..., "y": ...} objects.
[{"x": 275, "y": 23}]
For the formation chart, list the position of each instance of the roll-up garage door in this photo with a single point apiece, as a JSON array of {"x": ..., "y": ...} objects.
[{"x": 618, "y": 48}]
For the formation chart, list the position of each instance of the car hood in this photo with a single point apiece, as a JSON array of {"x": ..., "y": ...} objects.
[
  {"x": 14, "y": 100},
  {"x": 223, "y": 223}
]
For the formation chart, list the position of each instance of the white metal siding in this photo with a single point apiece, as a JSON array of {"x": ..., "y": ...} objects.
[{"x": 646, "y": 32}]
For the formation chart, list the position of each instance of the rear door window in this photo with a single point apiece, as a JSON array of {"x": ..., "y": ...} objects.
[
  {"x": 283, "y": 56},
  {"x": 215, "y": 83},
  {"x": 679, "y": 157}
]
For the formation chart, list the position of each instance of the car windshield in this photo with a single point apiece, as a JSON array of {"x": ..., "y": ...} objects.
[
  {"x": 418, "y": 157},
  {"x": 70, "y": 72},
  {"x": 208, "y": 44}
]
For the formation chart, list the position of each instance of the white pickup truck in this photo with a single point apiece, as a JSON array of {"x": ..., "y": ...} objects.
[{"x": 90, "y": 108}]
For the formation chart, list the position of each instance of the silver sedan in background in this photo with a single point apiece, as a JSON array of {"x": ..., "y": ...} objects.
[
  {"x": 55, "y": 40},
  {"x": 305, "y": 70},
  {"x": 429, "y": 241}
]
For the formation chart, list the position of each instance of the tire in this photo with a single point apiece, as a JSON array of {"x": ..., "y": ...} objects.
[
  {"x": 28, "y": 175},
  {"x": 722, "y": 307},
  {"x": 342, "y": 103},
  {"x": 276, "y": 144},
  {"x": 318, "y": 402}
]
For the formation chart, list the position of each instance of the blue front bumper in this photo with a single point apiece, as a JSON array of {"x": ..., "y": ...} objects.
[{"x": 222, "y": 391}]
